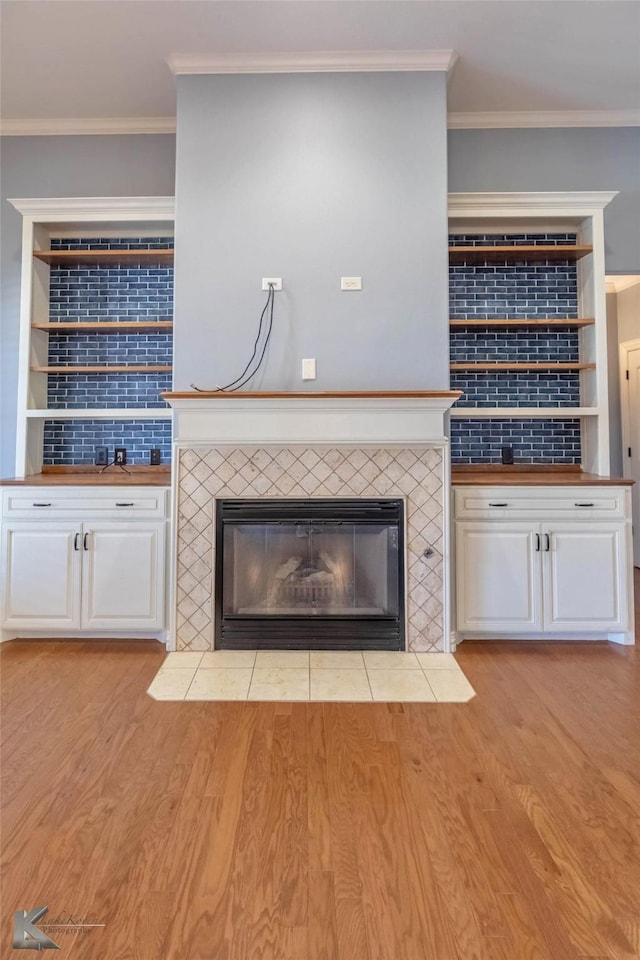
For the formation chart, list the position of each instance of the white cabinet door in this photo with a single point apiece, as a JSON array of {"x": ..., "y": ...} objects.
[
  {"x": 498, "y": 582},
  {"x": 584, "y": 573},
  {"x": 123, "y": 576},
  {"x": 41, "y": 575}
]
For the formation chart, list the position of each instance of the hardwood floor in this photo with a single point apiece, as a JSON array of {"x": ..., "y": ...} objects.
[{"x": 506, "y": 828}]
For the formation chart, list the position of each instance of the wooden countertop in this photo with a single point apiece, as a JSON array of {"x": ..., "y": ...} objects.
[
  {"x": 530, "y": 477},
  {"x": 460, "y": 476},
  {"x": 159, "y": 477}
]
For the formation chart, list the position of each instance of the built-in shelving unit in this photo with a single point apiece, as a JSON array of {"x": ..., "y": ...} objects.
[
  {"x": 552, "y": 356},
  {"x": 86, "y": 354}
]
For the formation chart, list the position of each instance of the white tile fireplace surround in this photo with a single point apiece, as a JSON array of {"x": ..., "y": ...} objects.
[{"x": 286, "y": 445}]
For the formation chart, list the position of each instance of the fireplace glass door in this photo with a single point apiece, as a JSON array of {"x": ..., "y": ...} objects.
[{"x": 310, "y": 574}]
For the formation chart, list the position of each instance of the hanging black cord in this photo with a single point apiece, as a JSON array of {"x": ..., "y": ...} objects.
[
  {"x": 231, "y": 387},
  {"x": 264, "y": 349}
]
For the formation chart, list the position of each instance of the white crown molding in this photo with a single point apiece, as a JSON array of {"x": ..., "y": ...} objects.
[
  {"x": 85, "y": 126},
  {"x": 334, "y": 61},
  {"x": 619, "y": 284},
  {"x": 542, "y": 204},
  {"x": 118, "y": 126},
  {"x": 63, "y": 209},
  {"x": 543, "y": 118}
]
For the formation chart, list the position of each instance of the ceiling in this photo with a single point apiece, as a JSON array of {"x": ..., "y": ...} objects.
[{"x": 74, "y": 61}]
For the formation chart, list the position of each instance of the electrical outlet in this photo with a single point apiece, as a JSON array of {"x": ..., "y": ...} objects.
[
  {"x": 101, "y": 458},
  {"x": 275, "y": 282},
  {"x": 351, "y": 283},
  {"x": 154, "y": 456},
  {"x": 120, "y": 455},
  {"x": 507, "y": 455}
]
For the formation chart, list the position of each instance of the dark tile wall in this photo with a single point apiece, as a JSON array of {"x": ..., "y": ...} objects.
[
  {"x": 514, "y": 345},
  {"x": 103, "y": 390},
  {"x": 74, "y": 441},
  {"x": 115, "y": 293},
  {"x": 517, "y": 290},
  {"x": 534, "y": 441},
  {"x": 511, "y": 239},
  {"x": 517, "y": 389}
]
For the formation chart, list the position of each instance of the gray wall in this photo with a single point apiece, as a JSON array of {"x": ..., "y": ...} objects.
[
  {"x": 311, "y": 177},
  {"x": 103, "y": 166},
  {"x": 563, "y": 159},
  {"x": 284, "y": 216}
]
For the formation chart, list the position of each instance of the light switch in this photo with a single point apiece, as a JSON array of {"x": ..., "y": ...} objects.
[{"x": 309, "y": 369}]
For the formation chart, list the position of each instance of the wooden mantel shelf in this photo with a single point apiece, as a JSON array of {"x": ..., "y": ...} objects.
[{"x": 309, "y": 395}]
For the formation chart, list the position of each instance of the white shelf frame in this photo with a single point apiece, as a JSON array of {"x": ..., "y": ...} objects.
[
  {"x": 100, "y": 413},
  {"x": 524, "y": 413},
  {"x": 582, "y": 213},
  {"x": 43, "y": 217}
]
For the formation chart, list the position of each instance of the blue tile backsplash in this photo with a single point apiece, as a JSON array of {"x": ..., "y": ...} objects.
[
  {"x": 517, "y": 389},
  {"x": 511, "y": 239},
  {"x": 122, "y": 348},
  {"x": 501, "y": 289},
  {"x": 112, "y": 243},
  {"x": 114, "y": 293},
  {"x": 491, "y": 290},
  {"x": 481, "y": 290},
  {"x": 514, "y": 345},
  {"x": 535, "y": 441},
  {"x": 69, "y": 442},
  {"x": 104, "y": 390}
]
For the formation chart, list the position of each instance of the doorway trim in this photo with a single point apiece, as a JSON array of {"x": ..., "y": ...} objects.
[{"x": 625, "y": 349}]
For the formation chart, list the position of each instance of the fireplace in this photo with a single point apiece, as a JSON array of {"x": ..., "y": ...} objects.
[
  {"x": 309, "y": 574},
  {"x": 311, "y": 448}
]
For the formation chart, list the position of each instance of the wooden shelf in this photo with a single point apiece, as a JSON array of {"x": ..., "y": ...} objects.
[
  {"x": 523, "y": 252},
  {"x": 75, "y": 258},
  {"x": 106, "y": 326},
  {"x": 545, "y": 322},
  {"x": 534, "y": 366},
  {"x": 161, "y": 368}
]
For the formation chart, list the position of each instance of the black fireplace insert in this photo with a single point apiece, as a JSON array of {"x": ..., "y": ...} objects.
[{"x": 309, "y": 574}]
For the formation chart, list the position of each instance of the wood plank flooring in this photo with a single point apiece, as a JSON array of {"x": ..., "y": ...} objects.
[{"x": 506, "y": 828}]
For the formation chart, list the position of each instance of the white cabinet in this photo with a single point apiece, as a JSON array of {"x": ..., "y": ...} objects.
[
  {"x": 498, "y": 586},
  {"x": 584, "y": 577},
  {"x": 121, "y": 576},
  {"x": 41, "y": 575},
  {"x": 90, "y": 573},
  {"x": 543, "y": 562}
]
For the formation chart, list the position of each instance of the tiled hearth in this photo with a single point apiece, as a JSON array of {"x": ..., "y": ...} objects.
[
  {"x": 325, "y": 676},
  {"x": 414, "y": 473}
]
